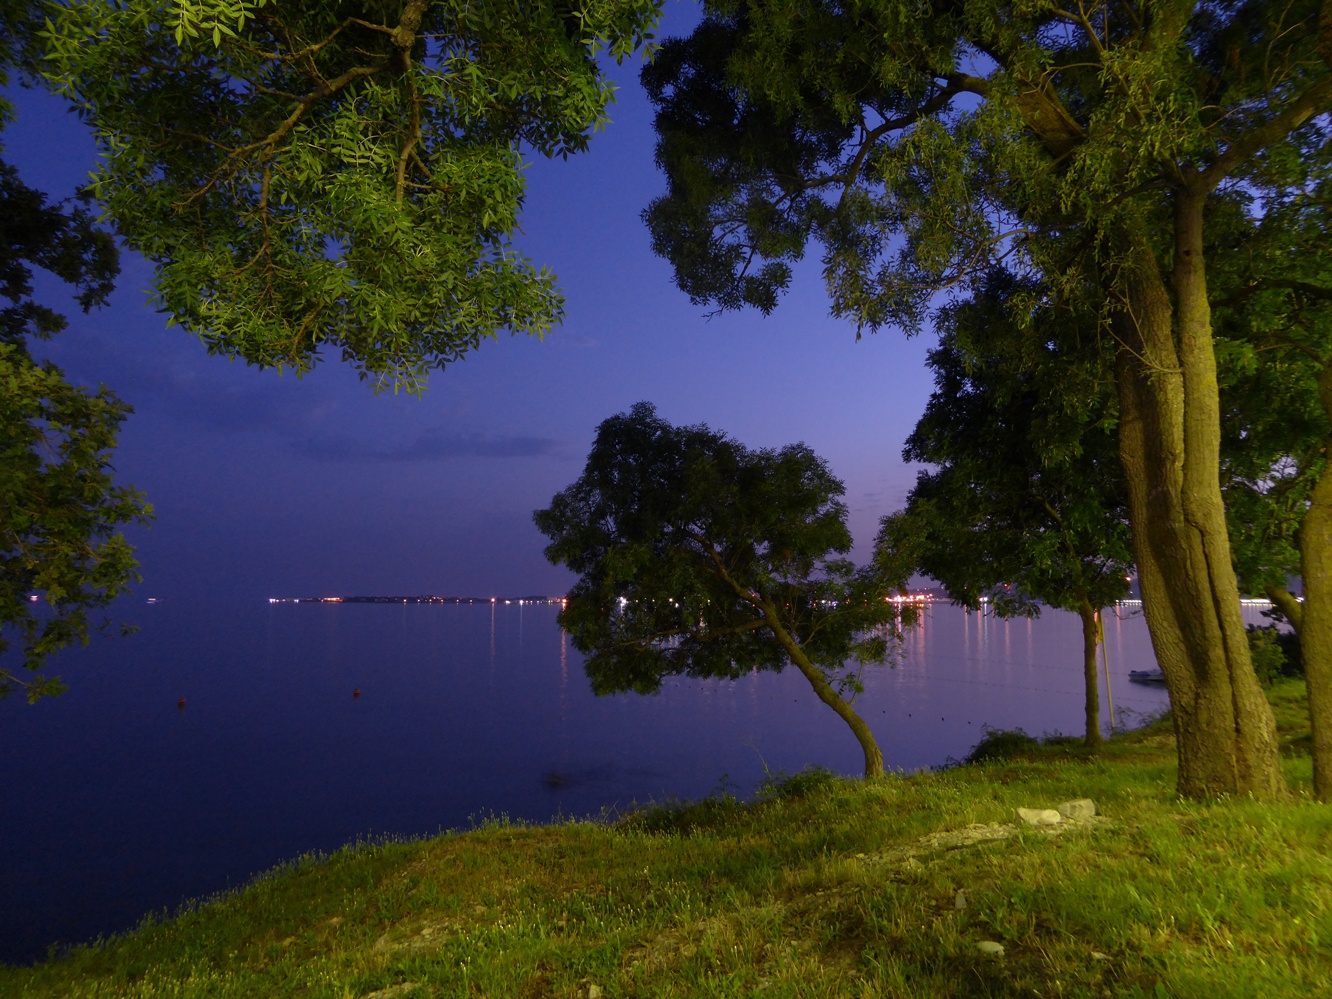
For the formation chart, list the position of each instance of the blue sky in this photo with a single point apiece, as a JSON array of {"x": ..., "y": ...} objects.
[{"x": 266, "y": 485}]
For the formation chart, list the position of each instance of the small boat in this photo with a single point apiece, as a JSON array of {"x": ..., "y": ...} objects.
[{"x": 1146, "y": 676}]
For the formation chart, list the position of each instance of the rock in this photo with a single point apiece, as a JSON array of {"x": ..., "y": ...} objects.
[
  {"x": 1098, "y": 956},
  {"x": 392, "y": 992},
  {"x": 1039, "y": 816},
  {"x": 594, "y": 992},
  {"x": 991, "y": 947},
  {"x": 969, "y": 836},
  {"x": 1080, "y": 810},
  {"x": 961, "y": 901}
]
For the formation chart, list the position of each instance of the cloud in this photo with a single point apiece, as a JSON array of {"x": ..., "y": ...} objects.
[{"x": 431, "y": 445}]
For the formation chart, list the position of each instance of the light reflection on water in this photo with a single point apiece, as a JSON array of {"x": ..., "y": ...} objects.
[{"x": 117, "y": 803}]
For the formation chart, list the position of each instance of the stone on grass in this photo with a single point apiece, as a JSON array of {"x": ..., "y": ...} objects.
[
  {"x": 594, "y": 992},
  {"x": 960, "y": 902},
  {"x": 1080, "y": 810},
  {"x": 991, "y": 947},
  {"x": 392, "y": 992},
  {"x": 1039, "y": 816}
]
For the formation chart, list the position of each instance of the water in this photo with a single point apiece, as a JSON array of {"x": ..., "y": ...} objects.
[{"x": 117, "y": 802}]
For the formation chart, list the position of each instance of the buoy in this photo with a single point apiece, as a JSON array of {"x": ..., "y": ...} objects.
[
  {"x": 180, "y": 704},
  {"x": 356, "y": 692}
]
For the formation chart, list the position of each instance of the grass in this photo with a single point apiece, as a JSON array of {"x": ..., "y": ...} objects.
[{"x": 821, "y": 887}]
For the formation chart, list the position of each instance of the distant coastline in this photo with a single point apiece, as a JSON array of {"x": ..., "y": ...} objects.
[
  {"x": 420, "y": 599},
  {"x": 923, "y": 596}
]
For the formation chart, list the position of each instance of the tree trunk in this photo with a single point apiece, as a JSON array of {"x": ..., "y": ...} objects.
[
  {"x": 1315, "y": 619},
  {"x": 1285, "y": 602},
  {"x": 1090, "y": 640},
  {"x": 824, "y": 691},
  {"x": 1170, "y": 446}
]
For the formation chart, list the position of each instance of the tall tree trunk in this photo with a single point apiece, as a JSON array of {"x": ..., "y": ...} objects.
[
  {"x": 1170, "y": 446},
  {"x": 1090, "y": 641},
  {"x": 1315, "y": 619},
  {"x": 824, "y": 691}
]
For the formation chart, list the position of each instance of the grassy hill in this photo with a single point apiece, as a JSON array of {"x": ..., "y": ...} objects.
[{"x": 823, "y": 887}]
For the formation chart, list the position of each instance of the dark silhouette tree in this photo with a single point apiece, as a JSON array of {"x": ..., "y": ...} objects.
[
  {"x": 60, "y": 512},
  {"x": 1026, "y": 504}
]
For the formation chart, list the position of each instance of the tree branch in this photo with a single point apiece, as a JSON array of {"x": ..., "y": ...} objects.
[
  {"x": 1254, "y": 140},
  {"x": 1286, "y": 603}
]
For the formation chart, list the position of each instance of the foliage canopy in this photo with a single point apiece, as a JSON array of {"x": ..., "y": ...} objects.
[
  {"x": 1026, "y": 500},
  {"x": 344, "y": 176}
]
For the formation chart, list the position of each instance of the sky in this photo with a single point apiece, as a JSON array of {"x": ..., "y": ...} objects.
[{"x": 266, "y": 485}]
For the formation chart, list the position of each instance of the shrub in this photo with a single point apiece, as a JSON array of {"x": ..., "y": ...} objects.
[
  {"x": 779, "y": 784},
  {"x": 1001, "y": 744},
  {"x": 1275, "y": 653}
]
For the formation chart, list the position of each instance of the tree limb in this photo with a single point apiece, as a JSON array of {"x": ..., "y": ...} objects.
[{"x": 1255, "y": 139}]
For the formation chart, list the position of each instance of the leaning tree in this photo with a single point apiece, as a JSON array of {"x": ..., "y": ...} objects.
[{"x": 698, "y": 556}]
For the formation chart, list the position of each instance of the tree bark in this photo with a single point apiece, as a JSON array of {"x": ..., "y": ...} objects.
[
  {"x": 1169, "y": 447},
  {"x": 824, "y": 691},
  {"x": 1285, "y": 602},
  {"x": 1090, "y": 642},
  {"x": 1315, "y": 620}
]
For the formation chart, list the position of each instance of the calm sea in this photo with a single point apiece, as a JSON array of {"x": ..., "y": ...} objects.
[{"x": 118, "y": 802}]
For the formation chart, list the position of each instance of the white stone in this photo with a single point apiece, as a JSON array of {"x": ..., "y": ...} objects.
[
  {"x": 1098, "y": 956},
  {"x": 991, "y": 947},
  {"x": 1079, "y": 810},
  {"x": 1039, "y": 816},
  {"x": 961, "y": 901},
  {"x": 594, "y": 992}
]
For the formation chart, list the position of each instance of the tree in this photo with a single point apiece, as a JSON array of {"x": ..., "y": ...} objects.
[
  {"x": 1274, "y": 312},
  {"x": 337, "y": 176},
  {"x": 1026, "y": 503},
  {"x": 59, "y": 511},
  {"x": 59, "y": 515},
  {"x": 921, "y": 143},
  {"x": 700, "y": 557}
]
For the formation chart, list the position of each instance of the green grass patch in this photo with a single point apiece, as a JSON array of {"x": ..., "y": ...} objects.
[{"x": 819, "y": 887}]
